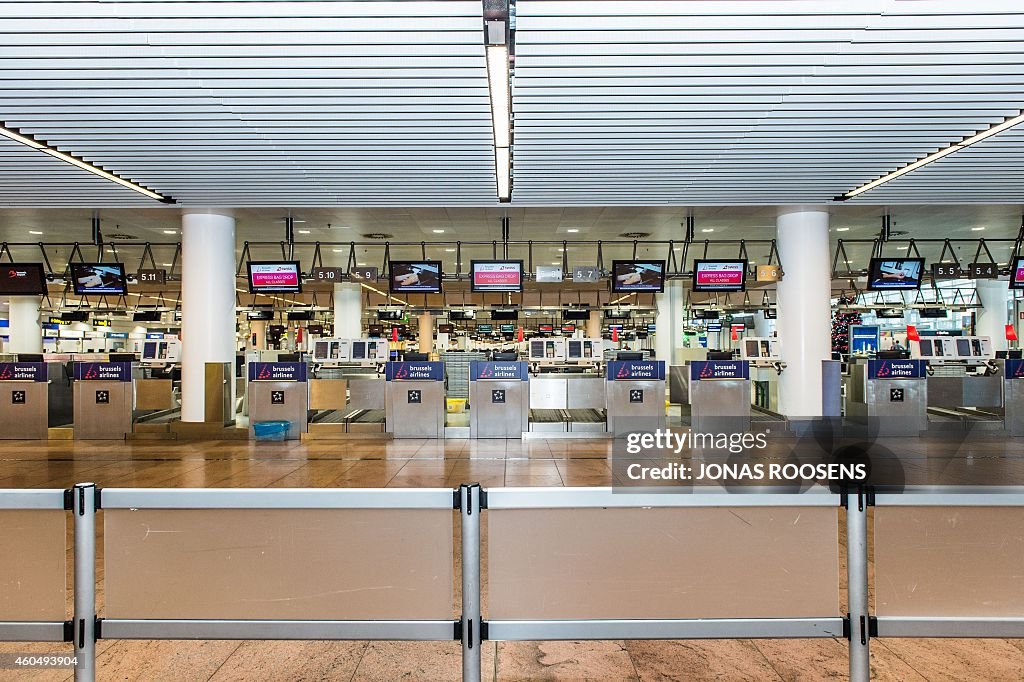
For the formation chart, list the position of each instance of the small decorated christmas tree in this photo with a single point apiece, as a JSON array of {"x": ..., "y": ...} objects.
[{"x": 841, "y": 322}]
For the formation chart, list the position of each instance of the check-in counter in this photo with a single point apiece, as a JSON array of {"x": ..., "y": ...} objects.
[
  {"x": 499, "y": 399},
  {"x": 23, "y": 400},
  {"x": 104, "y": 400},
  {"x": 635, "y": 394},
  {"x": 719, "y": 395},
  {"x": 890, "y": 396},
  {"x": 414, "y": 399},
  {"x": 1013, "y": 397},
  {"x": 278, "y": 391}
]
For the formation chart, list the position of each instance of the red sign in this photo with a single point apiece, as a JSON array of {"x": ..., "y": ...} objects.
[
  {"x": 711, "y": 274},
  {"x": 1011, "y": 333},
  {"x": 912, "y": 334},
  {"x": 276, "y": 275}
]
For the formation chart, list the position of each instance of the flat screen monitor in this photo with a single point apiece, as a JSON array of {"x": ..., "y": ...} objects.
[
  {"x": 22, "y": 279},
  {"x": 545, "y": 328},
  {"x": 359, "y": 350},
  {"x": 719, "y": 275},
  {"x": 889, "y": 313},
  {"x": 461, "y": 315},
  {"x": 496, "y": 275},
  {"x": 417, "y": 357},
  {"x": 375, "y": 331},
  {"x": 390, "y": 315},
  {"x": 260, "y": 315},
  {"x": 149, "y": 350},
  {"x": 770, "y": 313},
  {"x": 629, "y": 276},
  {"x": 1017, "y": 273},
  {"x": 568, "y": 328},
  {"x": 576, "y": 314},
  {"x": 507, "y": 328},
  {"x": 274, "y": 277},
  {"x": 934, "y": 313},
  {"x": 300, "y": 315},
  {"x": 617, "y": 314},
  {"x": 719, "y": 355},
  {"x": 415, "y": 277},
  {"x": 629, "y": 355},
  {"x": 895, "y": 273},
  {"x": 507, "y": 314},
  {"x": 445, "y": 329},
  {"x": 506, "y": 356},
  {"x": 98, "y": 278},
  {"x": 484, "y": 328},
  {"x": 615, "y": 327},
  {"x": 75, "y": 316},
  {"x": 926, "y": 348},
  {"x": 122, "y": 357},
  {"x": 892, "y": 355},
  {"x": 146, "y": 316},
  {"x": 706, "y": 314}
]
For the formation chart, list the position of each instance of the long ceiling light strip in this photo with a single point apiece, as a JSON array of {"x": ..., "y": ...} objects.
[
  {"x": 955, "y": 147},
  {"x": 498, "y": 82},
  {"x": 84, "y": 165}
]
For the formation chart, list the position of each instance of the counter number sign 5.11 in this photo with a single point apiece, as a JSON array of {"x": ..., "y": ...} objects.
[{"x": 152, "y": 277}]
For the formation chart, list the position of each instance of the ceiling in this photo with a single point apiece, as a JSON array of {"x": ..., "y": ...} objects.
[{"x": 377, "y": 104}]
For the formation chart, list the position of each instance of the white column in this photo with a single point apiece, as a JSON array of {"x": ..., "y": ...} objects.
[
  {"x": 426, "y": 337},
  {"x": 25, "y": 333},
  {"x": 348, "y": 311},
  {"x": 994, "y": 295},
  {"x": 257, "y": 335},
  {"x": 593, "y": 324},
  {"x": 804, "y": 318},
  {"x": 669, "y": 323},
  {"x": 207, "y": 301}
]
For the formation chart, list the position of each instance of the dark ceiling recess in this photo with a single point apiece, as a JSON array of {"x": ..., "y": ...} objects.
[
  {"x": 121, "y": 235},
  {"x": 378, "y": 235},
  {"x": 635, "y": 235}
]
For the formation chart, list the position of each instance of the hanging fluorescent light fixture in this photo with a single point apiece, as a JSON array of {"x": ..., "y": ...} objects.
[
  {"x": 84, "y": 165},
  {"x": 498, "y": 81},
  {"x": 966, "y": 142}
]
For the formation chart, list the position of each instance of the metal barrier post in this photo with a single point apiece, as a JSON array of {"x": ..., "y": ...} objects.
[
  {"x": 469, "y": 504},
  {"x": 83, "y": 508},
  {"x": 857, "y": 584}
]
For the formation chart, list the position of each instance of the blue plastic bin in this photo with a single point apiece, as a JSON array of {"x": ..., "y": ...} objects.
[{"x": 275, "y": 430}]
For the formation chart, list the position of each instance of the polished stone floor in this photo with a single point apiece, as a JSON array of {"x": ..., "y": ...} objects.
[{"x": 368, "y": 463}]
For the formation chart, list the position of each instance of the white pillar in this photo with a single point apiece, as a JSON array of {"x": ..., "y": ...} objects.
[
  {"x": 348, "y": 311},
  {"x": 994, "y": 295},
  {"x": 426, "y": 337},
  {"x": 593, "y": 325},
  {"x": 668, "y": 328},
  {"x": 257, "y": 335},
  {"x": 25, "y": 333},
  {"x": 207, "y": 301},
  {"x": 804, "y": 318}
]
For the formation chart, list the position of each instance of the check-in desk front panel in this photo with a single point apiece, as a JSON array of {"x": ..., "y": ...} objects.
[
  {"x": 23, "y": 400},
  {"x": 414, "y": 399},
  {"x": 1013, "y": 397},
  {"x": 719, "y": 392},
  {"x": 499, "y": 399},
  {"x": 635, "y": 394},
  {"x": 278, "y": 391},
  {"x": 891, "y": 396},
  {"x": 104, "y": 400}
]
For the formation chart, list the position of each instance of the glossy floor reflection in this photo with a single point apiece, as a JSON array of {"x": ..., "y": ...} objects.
[{"x": 415, "y": 463}]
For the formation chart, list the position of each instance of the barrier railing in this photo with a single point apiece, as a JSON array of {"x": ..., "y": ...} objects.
[{"x": 562, "y": 564}]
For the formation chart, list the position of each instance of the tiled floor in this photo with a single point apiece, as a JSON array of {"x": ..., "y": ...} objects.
[{"x": 368, "y": 463}]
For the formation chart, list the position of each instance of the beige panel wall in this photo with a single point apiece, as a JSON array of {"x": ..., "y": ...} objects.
[{"x": 33, "y": 574}]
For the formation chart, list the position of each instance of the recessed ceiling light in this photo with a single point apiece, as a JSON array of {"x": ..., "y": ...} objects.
[
  {"x": 34, "y": 232},
  {"x": 977, "y": 229},
  {"x": 303, "y": 231},
  {"x": 557, "y": 262},
  {"x": 438, "y": 231},
  {"x": 166, "y": 265},
  {"x": 170, "y": 232},
  {"x": 361, "y": 265},
  {"x": 708, "y": 229},
  {"x": 842, "y": 229},
  {"x": 572, "y": 230},
  {"x": 450, "y": 250},
  {"x": 338, "y": 250}
]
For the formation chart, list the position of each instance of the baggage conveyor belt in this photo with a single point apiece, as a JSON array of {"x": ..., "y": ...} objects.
[{"x": 562, "y": 421}]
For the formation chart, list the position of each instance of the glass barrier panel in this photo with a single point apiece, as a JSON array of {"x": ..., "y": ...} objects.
[
  {"x": 33, "y": 571},
  {"x": 715, "y": 562},
  {"x": 292, "y": 564},
  {"x": 949, "y": 561}
]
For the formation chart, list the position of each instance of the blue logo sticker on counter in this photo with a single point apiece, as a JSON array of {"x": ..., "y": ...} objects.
[
  {"x": 103, "y": 371},
  {"x": 479, "y": 369},
  {"x": 277, "y": 371},
  {"x": 710, "y": 370},
  {"x": 424, "y": 370},
  {"x": 1014, "y": 369},
  {"x": 23, "y": 371},
  {"x": 635, "y": 370},
  {"x": 896, "y": 369}
]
